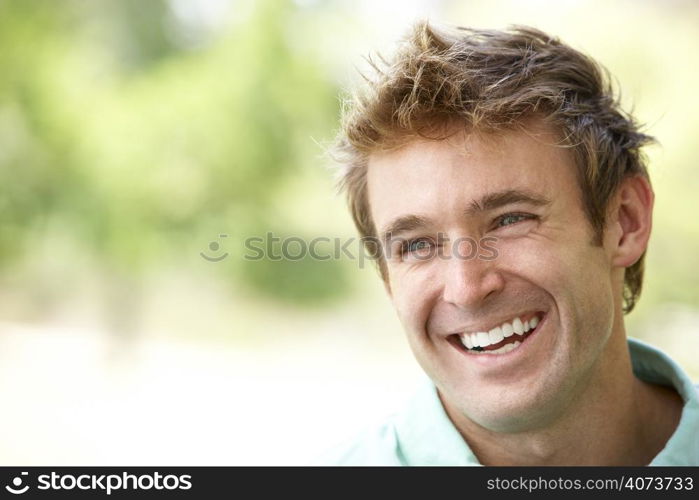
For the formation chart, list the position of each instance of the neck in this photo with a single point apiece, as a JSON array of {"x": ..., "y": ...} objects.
[{"x": 615, "y": 419}]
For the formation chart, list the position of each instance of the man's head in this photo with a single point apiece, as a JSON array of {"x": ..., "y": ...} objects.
[
  {"x": 514, "y": 139},
  {"x": 491, "y": 81}
]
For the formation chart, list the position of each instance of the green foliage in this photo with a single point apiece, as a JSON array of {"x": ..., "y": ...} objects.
[{"x": 143, "y": 148}]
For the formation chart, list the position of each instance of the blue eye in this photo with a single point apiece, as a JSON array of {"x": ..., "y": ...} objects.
[
  {"x": 509, "y": 219},
  {"x": 413, "y": 246},
  {"x": 417, "y": 245}
]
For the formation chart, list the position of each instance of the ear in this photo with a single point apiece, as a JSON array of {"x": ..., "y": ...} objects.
[{"x": 631, "y": 221}]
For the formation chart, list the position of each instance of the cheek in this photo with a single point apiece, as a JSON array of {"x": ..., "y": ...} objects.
[
  {"x": 576, "y": 278},
  {"x": 538, "y": 261},
  {"x": 559, "y": 258},
  {"x": 413, "y": 293}
]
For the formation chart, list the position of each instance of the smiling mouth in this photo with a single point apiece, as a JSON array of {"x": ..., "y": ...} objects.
[{"x": 500, "y": 340}]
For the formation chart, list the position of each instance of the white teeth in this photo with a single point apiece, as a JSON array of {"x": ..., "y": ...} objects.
[
  {"x": 517, "y": 326},
  {"x": 496, "y": 335},
  {"x": 483, "y": 339},
  {"x": 507, "y": 330},
  {"x": 466, "y": 340},
  {"x": 503, "y": 350}
]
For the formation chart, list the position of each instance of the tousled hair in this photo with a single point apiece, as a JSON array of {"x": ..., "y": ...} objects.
[{"x": 488, "y": 81}]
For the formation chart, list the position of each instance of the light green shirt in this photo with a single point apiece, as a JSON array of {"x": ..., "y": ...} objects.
[{"x": 423, "y": 434}]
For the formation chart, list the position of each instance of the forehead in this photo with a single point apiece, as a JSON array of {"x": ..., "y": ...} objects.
[{"x": 438, "y": 178}]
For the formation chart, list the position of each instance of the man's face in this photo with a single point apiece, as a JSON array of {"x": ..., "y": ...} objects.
[{"x": 522, "y": 190}]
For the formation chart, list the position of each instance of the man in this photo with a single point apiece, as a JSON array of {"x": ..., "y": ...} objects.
[{"x": 512, "y": 143}]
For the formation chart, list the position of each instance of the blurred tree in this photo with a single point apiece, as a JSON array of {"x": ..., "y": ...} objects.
[{"x": 143, "y": 149}]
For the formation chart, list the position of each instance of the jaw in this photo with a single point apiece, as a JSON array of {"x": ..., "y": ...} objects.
[{"x": 512, "y": 392}]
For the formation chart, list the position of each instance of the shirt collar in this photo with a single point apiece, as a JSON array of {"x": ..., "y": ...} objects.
[
  {"x": 653, "y": 365},
  {"x": 426, "y": 435}
]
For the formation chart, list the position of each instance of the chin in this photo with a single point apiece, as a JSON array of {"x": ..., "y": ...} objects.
[{"x": 510, "y": 412}]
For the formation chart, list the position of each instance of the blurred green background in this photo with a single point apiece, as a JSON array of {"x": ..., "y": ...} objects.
[{"x": 134, "y": 133}]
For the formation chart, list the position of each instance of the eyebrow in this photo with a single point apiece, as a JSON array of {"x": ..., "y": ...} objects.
[
  {"x": 490, "y": 201},
  {"x": 404, "y": 224},
  {"x": 499, "y": 199}
]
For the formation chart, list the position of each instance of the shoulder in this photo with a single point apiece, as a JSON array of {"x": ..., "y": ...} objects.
[{"x": 377, "y": 445}]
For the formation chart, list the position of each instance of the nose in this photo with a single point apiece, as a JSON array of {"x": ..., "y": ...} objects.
[{"x": 469, "y": 283}]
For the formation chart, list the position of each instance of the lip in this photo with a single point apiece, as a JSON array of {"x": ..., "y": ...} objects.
[{"x": 501, "y": 359}]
